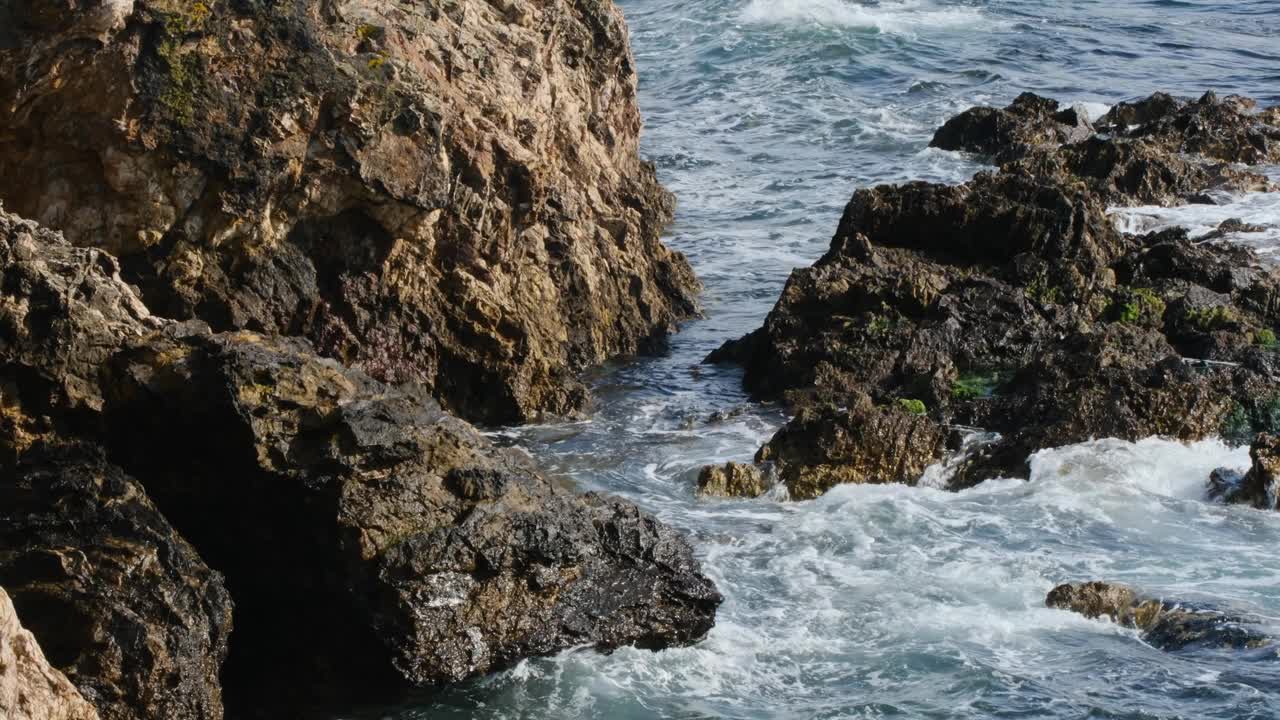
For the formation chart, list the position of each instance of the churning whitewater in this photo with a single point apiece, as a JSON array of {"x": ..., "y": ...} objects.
[{"x": 763, "y": 116}]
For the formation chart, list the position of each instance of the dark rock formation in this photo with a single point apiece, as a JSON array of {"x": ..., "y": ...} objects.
[
  {"x": 1260, "y": 486},
  {"x": 371, "y": 541},
  {"x": 442, "y": 192},
  {"x": 1160, "y": 151},
  {"x": 1030, "y": 122},
  {"x": 1009, "y": 303},
  {"x": 120, "y": 603},
  {"x": 30, "y": 688},
  {"x": 369, "y": 538},
  {"x": 733, "y": 480},
  {"x": 1168, "y": 626}
]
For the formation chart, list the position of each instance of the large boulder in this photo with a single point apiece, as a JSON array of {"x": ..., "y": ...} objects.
[
  {"x": 444, "y": 192},
  {"x": 1010, "y": 304},
  {"x": 1157, "y": 151},
  {"x": 1165, "y": 625},
  {"x": 31, "y": 688},
  {"x": 371, "y": 540},
  {"x": 118, "y": 600}
]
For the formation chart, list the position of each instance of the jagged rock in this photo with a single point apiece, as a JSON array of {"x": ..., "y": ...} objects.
[
  {"x": 1229, "y": 129},
  {"x": 1011, "y": 303},
  {"x": 1260, "y": 486},
  {"x": 372, "y": 541},
  {"x": 732, "y": 480},
  {"x": 442, "y": 192},
  {"x": 862, "y": 444},
  {"x": 1160, "y": 151},
  {"x": 1168, "y": 626},
  {"x": 119, "y": 602},
  {"x": 63, "y": 311},
  {"x": 1029, "y": 122},
  {"x": 31, "y": 688}
]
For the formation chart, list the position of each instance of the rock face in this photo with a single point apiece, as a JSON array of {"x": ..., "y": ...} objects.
[
  {"x": 448, "y": 193},
  {"x": 1168, "y": 626},
  {"x": 30, "y": 688},
  {"x": 387, "y": 543},
  {"x": 120, "y": 603},
  {"x": 1260, "y": 486},
  {"x": 1010, "y": 303},
  {"x": 1030, "y": 122},
  {"x": 371, "y": 542}
]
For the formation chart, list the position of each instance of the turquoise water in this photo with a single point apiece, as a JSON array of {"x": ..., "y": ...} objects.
[{"x": 763, "y": 116}]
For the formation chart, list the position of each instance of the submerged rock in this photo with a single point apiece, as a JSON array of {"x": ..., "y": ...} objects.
[
  {"x": 443, "y": 192},
  {"x": 1010, "y": 303},
  {"x": 31, "y": 688},
  {"x": 1168, "y": 626},
  {"x": 1260, "y": 486},
  {"x": 120, "y": 603}
]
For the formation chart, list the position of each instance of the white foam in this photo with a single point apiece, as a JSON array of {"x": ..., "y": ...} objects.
[
  {"x": 886, "y": 17},
  {"x": 1155, "y": 466},
  {"x": 1261, "y": 209}
]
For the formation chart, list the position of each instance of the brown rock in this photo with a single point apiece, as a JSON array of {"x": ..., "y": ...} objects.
[
  {"x": 30, "y": 688},
  {"x": 732, "y": 480},
  {"x": 448, "y": 193}
]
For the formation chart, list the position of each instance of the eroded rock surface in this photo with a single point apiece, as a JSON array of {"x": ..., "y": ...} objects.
[
  {"x": 1013, "y": 304},
  {"x": 442, "y": 192},
  {"x": 386, "y": 542},
  {"x": 372, "y": 542},
  {"x": 118, "y": 600},
  {"x": 1157, "y": 151},
  {"x": 1260, "y": 485},
  {"x": 31, "y": 688},
  {"x": 1166, "y": 625}
]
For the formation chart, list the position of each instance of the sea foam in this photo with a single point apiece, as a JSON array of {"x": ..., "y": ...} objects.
[{"x": 888, "y": 17}]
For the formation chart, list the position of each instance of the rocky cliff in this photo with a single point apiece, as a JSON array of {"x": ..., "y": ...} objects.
[{"x": 448, "y": 193}]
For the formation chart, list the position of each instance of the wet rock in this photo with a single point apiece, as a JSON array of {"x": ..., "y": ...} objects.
[
  {"x": 1168, "y": 626},
  {"x": 733, "y": 480},
  {"x": 1229, "y": 129},
  {"x": 863, "y": 444},
  {"x": 31, "y": 688},
  {"x": 373, "y": 542},
  {"x": 1159, "y": 151},
  {"x": 444, "y": 193},
  {"x": 1260, "y": 486},
  {"x": 1029, "y": 122},
  {"x": 119, "y": 602},
  {"x": 1012, "y": 303}
]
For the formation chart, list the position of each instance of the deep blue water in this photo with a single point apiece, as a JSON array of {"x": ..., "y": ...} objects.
[{"x": 763, "y": 116}]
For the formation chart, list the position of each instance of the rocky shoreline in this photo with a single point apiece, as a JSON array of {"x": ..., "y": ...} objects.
[
  {"x": 259, "y": 263},
  {"x": 264, "y": 266},
  {"x": 1012, "y": 304}
]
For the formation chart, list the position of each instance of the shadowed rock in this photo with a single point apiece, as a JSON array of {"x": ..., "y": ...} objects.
[
  {"x": 444, "y": 192},
  {"x": 1168, "y": 626},
  {"x": 30, "y": 688},
  {"x": 372, "y": 542},
  {"x": 1260, "y": 486},
  {"x": 120, "y": 603}
]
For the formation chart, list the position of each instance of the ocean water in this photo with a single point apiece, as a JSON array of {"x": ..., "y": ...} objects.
[{"x": 763, "y": 116}]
